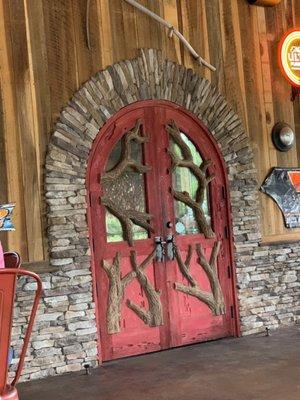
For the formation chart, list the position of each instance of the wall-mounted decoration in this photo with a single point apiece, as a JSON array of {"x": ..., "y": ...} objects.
[
  {"x": 214, "y": 299},
  {"x": 203, "y": 179},
  {"x": 123, "y": 188},
  {"x": 172, "y": 31},
  {"x": 154, "y": 315},
  {"x": 283, "y": 185},
  {"x": 265, "y": 3},
  {"x": 6, "y": 211},
  {"x": 117, "y": 286},
  {"x": 289, "y": 57},
  {"x": 283, "y": 136}
]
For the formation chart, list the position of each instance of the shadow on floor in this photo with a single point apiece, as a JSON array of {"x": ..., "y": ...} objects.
[{"x": 249, "y": 368}]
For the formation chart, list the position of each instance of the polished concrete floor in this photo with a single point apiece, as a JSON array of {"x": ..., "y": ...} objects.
[{"x": 250, "y": 368}]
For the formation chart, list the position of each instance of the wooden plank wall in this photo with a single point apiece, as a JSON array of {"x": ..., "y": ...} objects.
[{"x": 44, "y": 60}]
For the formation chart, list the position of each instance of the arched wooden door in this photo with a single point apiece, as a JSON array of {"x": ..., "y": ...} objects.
[{"x": 160, "y": 232}]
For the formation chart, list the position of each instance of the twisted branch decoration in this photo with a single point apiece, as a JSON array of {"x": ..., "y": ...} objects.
[
  {"x": 153, "y": 316},
  {"x": 214, "y": 299},
  {"x": 200, "y": 174},
  {"x": 172, "y": 31},
  {"x": 117, "y": 287},
  {"x": 126, "y": 159},
  {"x": 127, "y": 217}
]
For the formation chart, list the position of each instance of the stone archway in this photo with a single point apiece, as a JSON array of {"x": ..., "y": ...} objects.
[{"x": 149, "y": 76}]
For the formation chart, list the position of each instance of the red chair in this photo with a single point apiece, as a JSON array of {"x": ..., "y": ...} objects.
[
  {"x": 11, "y": 260},
  {"x": 8, "y": 281}
]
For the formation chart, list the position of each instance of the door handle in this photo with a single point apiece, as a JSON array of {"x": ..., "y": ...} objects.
[
  {"x": 170, "y": 247},
  {"x": 159, "y": 249}
]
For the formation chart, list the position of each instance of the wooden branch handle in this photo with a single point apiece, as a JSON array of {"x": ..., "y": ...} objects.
[{"x": 172, "y": 31}]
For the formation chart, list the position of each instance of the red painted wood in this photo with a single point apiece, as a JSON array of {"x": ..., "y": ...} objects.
[
  {"x": 186, "y": 320},
  {"x": 194, "y": 320}
]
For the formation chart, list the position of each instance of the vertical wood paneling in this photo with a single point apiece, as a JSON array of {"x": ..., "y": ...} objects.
[
  {"x": 63, "y": 76},
  {"x": 25, "y": 113},
  {"x": 267, "y": 152},
  {"x": 41, "y": 107},
  {"x": 283, "y": 110},
  {"x": 171, "y": 45},
  {"x": 87, "y": 61},
  {"x": 3, "y": 167},
  {"x": 232, "y": 57},
  {"x": 116, "y": 20},
  {"x": 194, "y": 28},
  {"x": 15, "y": 240},
  {"x": 104, "y": 34},
  {"x": 45, "y": 59},
  {"x": 130, "y": 29},
  {"x": 149, "y": 32},
  {"x": 214, "y": 42},
  {"x": 255, "y": 102}
]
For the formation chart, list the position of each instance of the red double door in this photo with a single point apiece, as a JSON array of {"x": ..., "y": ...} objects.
[{"x": 160, "y": 232}]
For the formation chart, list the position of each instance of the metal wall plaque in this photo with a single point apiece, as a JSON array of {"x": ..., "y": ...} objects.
[{"x": 283, "y": 185}]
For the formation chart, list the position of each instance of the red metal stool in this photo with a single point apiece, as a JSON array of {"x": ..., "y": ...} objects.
[
  {"x": 2, "y": 265},
  {"x": 8, "y": 280}
]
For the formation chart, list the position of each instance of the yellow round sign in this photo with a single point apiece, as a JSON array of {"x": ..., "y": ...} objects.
[{"x": 289, "y": 57}]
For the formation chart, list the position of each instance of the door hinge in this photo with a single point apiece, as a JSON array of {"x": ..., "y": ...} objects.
[
  {"x": 229, "y": 271},
  {"x": 232, "y": 311},
  {"x": 223, "y": 192},
  {"x": 226, "y": 229},
  {"x": 93, "y": 244}
]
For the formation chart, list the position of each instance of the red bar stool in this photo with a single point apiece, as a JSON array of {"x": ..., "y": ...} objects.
[
  {"x": 11, "y": 260},
  {"x": 1, "y": 257},
  {"x": 8, "y": 280}
]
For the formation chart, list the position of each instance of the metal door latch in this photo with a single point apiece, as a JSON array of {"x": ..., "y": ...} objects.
[
  {"x": 160, "y": 252},
  {"x": 159, "y": 249},
  {"x": 170, "y": 247}
]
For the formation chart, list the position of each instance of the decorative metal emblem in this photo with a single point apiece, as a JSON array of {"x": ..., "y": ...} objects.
[
  {"x": 283, "y": 136},
  {"x": 283, "y": 185}
]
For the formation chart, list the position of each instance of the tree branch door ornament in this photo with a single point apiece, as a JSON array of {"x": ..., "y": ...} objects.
[
  {"x": 113, "y": 177},
  {"x": 160, "y": 231}
]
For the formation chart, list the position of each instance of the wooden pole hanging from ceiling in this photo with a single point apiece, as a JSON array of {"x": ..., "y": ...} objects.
[
  {"x": 87, "y": 24},
  {"x": 172, "y": 31}
]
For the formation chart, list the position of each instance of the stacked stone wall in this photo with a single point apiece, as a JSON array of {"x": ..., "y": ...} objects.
[{"x": 65, "y": 334}]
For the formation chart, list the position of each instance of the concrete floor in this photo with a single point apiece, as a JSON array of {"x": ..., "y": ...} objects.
[{"x": 250, "y": 368}]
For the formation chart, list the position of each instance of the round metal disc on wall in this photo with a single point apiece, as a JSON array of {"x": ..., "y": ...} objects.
[{"x": 283, "y": 136}]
